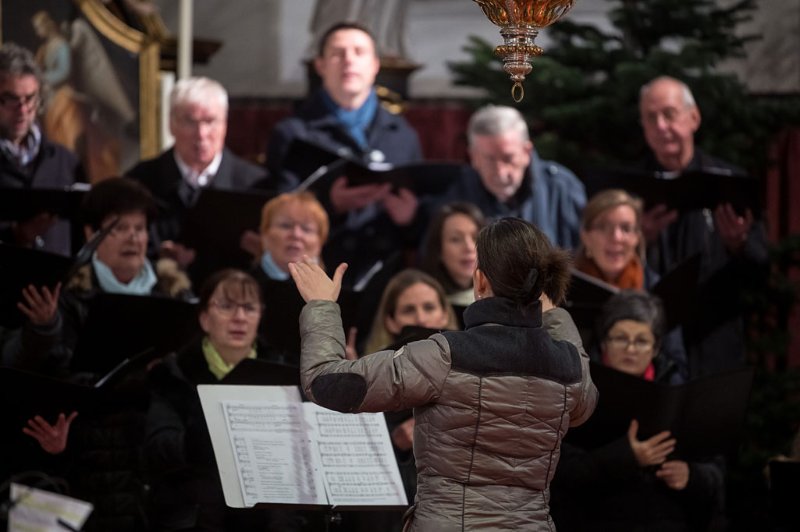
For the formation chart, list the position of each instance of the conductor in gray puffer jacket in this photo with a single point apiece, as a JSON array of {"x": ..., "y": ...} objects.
[{"x": 492, "y": 402}]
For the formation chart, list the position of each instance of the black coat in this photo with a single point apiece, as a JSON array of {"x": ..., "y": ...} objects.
[
  {"x": 53, "y": 167},
  {"x": 173, "y": 196},
  {"x": 605, "y": 490},
  {"x": 186, "y": 492},
  {"x": 378, "y": 238},
  {"x": 714, "y": 333}
]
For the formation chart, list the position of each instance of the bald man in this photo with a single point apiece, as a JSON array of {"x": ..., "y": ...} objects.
[{"x": 732, "y": 245}]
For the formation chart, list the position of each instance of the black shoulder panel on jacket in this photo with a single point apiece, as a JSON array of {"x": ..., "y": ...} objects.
[
  {"x": 502, "y": 350},
  {"x": 342, "y": 392}
]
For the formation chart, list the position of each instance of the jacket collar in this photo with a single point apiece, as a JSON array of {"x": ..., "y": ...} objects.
[
  {"x": 318, "y": 117},
  {"x": 503, "y": 311}
]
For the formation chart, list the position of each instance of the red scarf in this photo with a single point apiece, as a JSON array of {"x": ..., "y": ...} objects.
[
  {"x": 649, "y": 372},
  {"x": 632, "y": 276}
]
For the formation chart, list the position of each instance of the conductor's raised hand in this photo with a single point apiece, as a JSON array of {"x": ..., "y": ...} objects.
[{"x": 313, "y": 283}]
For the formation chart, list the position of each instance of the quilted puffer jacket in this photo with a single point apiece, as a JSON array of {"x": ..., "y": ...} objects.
[{"x": 492, "y": 404}]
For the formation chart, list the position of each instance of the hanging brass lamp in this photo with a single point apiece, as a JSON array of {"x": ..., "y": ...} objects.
[{"x": 520, "y": 22}]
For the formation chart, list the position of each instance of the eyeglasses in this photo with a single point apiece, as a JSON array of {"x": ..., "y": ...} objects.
[
  {"x": 12, "y": 101},
  {"x": 640, "y": 345},
  {"x": 607, "y": 228},
  {"x": 228, "y": 308},
  {"x": 123, "y": 230},
  {"x": 289, "y": 225},
  {"x": 189, "y": 123}
]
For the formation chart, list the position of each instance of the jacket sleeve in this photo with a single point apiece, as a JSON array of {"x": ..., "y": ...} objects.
[
  {"x": 411, "y": 376},
  {"x": 558, "y": 323}
]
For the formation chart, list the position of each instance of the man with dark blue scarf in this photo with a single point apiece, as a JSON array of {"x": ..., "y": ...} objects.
[{"x": 368, "y": 222}]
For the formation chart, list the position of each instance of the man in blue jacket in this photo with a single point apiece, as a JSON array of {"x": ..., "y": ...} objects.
[
  {"x": 369, "y": 222},
  {"x": 508, "y": 178}
]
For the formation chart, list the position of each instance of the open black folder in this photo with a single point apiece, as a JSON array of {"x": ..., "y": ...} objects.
[
  {"x": 279, "y": 328},
  {"x": 24, "y": 203},
  {"x": 120, "y": 326},
  {"x": 687, "y": 191},
  {"x": 213, "y": 227},
  {"x": 318, "y": 167},
  {"x": 705, "y": 416},
  {"x": 20, "y": 267},
  {"x": 26, "y": 394},
  {"x": 677, "y": 291}
]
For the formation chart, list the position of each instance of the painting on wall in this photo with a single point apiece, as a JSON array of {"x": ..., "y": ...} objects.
[{"x": 101, "y": 80}]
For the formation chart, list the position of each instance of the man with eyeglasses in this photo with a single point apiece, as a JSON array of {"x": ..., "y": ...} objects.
[
  {"x": 507, "y": 177},
  {"x": 27, "y": 158},
  {"x": 198, "y": 119},
  {"x": 732, "y": 245}
]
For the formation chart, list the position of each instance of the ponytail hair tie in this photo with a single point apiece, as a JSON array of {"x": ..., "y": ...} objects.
[{"x": 530, "y": 281}]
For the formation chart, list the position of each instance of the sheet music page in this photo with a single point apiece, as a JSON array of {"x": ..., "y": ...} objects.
[
  {"x": 358, "y": 464},
  {"x": 272, "y": 450}
]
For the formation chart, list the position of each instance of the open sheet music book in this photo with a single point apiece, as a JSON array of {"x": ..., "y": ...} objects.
[{"x": 271, "y": 448}]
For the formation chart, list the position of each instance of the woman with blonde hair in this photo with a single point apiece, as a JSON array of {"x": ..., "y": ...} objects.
[
  {"x": 411, "y": 298},
  {"x": 612, "y": 244},
  {"x": 612, "y": 250}
]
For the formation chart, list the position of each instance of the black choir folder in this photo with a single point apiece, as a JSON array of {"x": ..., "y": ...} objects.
[
  {"x": 20, "y": 267},
  {"x": 120, "y": 326},
  {"x": 319, "y": 166},
  {"x": 690, "y": 190},
  {"x": 677, "y": 291},
  {"x": 25, "y": 203},
  {"x": 214, "y": 225},
  {"x": 705, "y": 416},
  {"x": 272, "y": 449},
  {"x": 26, "y": 394}
]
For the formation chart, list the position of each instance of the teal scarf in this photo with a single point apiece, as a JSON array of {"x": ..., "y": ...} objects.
[
  {"x": 141, "y": 285},
  {"x": 357, "y": 121},
  {"x": 271, "y": 269}
]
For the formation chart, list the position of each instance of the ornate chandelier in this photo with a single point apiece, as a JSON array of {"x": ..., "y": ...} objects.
[{"x": 520, "y": 22}]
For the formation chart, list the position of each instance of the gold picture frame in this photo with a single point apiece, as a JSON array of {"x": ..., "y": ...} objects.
[{"x": 121, "y": 62}]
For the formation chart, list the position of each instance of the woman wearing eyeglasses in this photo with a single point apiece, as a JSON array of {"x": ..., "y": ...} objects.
[
  {"x": 633, "y": 484},
  {"x": 612, "y": 245},
  {"x": 105, "y": 443},
  {"x": 612, "y": 250},
  {"x": 119, "y": 265},
  {"x": 293, "y": 225},
  {"x": 186, "y": 493}
]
